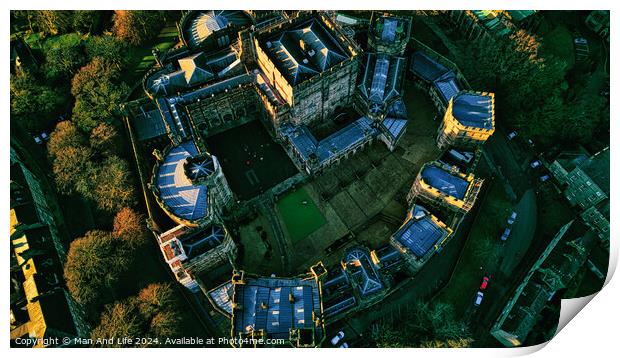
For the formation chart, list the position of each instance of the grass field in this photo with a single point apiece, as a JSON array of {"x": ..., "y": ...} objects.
[{"x": 300, "y": 214}]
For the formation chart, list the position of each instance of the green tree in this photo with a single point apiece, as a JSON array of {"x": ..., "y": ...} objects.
[
  {"x": 52, "y": 22},
  {"x": 63, "y": 60},
  {"x": 98, "y": 90},
  {"x": 109, "y": 48},
  {"x": 85, "y": 20},
  {"x": 137, "y": 26},
  {"x": 34, "y": 105},
  {"x": 97, "y": 270}
]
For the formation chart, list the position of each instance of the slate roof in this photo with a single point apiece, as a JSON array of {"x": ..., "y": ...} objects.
[
  {"x": 184, "y": 199},
  {"x": 202, "y": 241},
  {"x": 304, "y": 50},
  {"x": 597, "y": 168},
  {"x": 382, "y": 78},
  {"x": 335, "y": 144},
  {"x": 419, "y": 234},
  {"x": 276, "y": 305},
  {"x": 205, "y": 23},
  {"x": 363, "y": 271},
  {"x": 222, "y": 296},
  {"x": 444, "y": 181},
  {"x": 473, "y": 110}
]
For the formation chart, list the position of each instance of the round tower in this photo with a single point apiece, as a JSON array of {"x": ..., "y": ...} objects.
[{"x": 204, "y": 169}]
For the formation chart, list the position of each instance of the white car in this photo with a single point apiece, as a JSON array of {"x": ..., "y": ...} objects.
[
  {"x": 344, "y": 345},
  {"x": 337, "y": 338},
  {"x": 512, "y": 135},
  {"x": 535, "y": 164},
  {"x": 512, "y": 218},
  {"x": 479, "y": 297}
]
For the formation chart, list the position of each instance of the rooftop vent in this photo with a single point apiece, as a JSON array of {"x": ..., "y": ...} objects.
[
  {"x": 311, "y": 53},
  {"x": 305, "y": 61}
]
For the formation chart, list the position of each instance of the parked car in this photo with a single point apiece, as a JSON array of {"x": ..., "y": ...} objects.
[
  {"x": 337, "y": 338},
  {"x": 512, "y": 218},
  {"x": 512, "y": 135},
  {"x": 535, "y": 164},
  {"x": 544, "y": 178},
  {"x": 44, "y": 136},
  {"x": 485, "y": 282},
  {"x": 506, "y": 234},
  {"x": 530, "y": 142},
  {"x": 37, "y": 139},
  {"x": 479, "y": 297},
  {"x": 344, "y": 345}
]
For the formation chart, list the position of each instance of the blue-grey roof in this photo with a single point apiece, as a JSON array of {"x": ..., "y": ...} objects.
[
  {"x": 363, "y": 271},
  {"x": 148, "y": 124},
  {"x": 397, "y": 110},
  {"x": 395, "y": 126},
  {"x": 200, "y": 167},
  {"x": 382, "y": 77},
  {"x": 419, "y": 233},
  {"x": 426, "y": 67},
  {"x": 184, "y": 199},
  {"x": 473, "y": 110},
  {"x": 221, "y": 297},
  {"x": 208, "y": 22},
  {"x": 304, "y": 50},
  {"x": 444, "y": 181},
  {"x": 265, "y": 304},
  {"x": 389, "y": 29},
  {"x": 338, "y": 305},
  {"x": 339, "y": 142},
  {"x": 447, "y": 86},
  {"x": 200, "y": 242}
]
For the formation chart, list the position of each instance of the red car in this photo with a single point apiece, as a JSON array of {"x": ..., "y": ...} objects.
[{"x": 485, "y": 282}]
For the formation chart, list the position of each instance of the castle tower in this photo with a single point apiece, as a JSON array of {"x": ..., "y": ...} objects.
[
  {"x": 204, "y": 169},
  {"x": 469, "y": 120}
]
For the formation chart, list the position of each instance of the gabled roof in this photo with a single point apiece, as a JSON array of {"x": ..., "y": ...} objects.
[{"x": 303, "y": 50}]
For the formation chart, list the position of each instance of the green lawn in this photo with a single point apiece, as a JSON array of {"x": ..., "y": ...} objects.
[{"x": 300, "y": 214}]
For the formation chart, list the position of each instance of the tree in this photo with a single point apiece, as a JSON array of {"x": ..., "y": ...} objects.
[
  {"x": 35, "y": 106},
  {"x": 113, "y": 184},
  {"x": 70, "y": 167},
  {"x": 97, "y": 268},
  {"x": 104, "y": 139},
  {"x": 98, "y": 91},
  {"x": 129, "y": 226},
  {"x": 153, "y": 313},
  {"x": 65, "y": 135},
  {"x": 422, "y": 325},
  {"x": 52, "y": 22},
  {"x": 108, "y": 48},
  {"x": 85, "y": 20},
  {"x": 63, "y": 59},
  {"x": 137, "y": 26},
  {"x": 121, "y": 319}
]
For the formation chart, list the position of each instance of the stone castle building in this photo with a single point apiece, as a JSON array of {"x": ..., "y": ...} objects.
[
  {"x": 445, "y": 187},
  {"x": 469, "y": 120}
]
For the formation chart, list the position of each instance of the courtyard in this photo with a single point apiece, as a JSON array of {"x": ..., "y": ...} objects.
[
  {"x": 300, "y": 214},
  {"x": 250, "y": 159}
]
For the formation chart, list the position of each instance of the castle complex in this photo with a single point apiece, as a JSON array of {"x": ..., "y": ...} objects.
[{"x": 321, "y": 98}]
